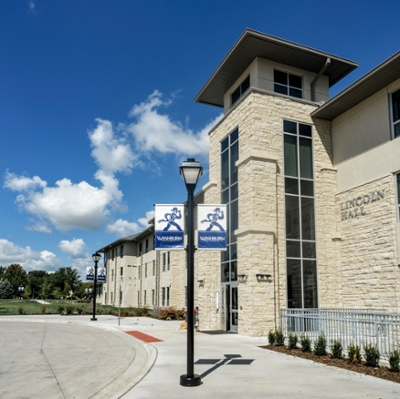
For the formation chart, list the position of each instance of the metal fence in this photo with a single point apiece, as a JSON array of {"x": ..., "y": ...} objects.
[{"x": 350, "y": 326}]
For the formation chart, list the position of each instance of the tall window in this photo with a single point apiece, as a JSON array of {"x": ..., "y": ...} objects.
[
  {"x": 168, "y": 260},
  {"x": 164, "y": 262},
  {"x": 398, "y": 193},
  {"x": 140, "y": 248},
  {"x": 299, "y": 216},
  {"x": 163, "y": 296},
  {"x": 396, "y": 113},
  {"x": 240, "y": 90},
  {"x": 122, "y": 251},
  {"x": 144, "y": 297},
  {"x": 229, "y": 196},
  {"x": 153, "y": 297},
  {"x": 286, "y": 83}
]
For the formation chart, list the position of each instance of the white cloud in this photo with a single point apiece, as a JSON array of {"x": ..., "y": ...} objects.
[
  {"x": 123, "y": 228},
  {"x": 74, "y": 248},
  {"x": 68, "y": 205},
  {"x": 154, "y": 131},
  {"x": 26, "y": 257}
]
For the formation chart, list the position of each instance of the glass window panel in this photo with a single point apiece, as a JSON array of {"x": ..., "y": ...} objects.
[
  {"x": 233, "y": 251},
  {"x": 307, "y": 218},
  {"x": 295, "y": 81},
  {"x": 224, "y": 144},
  {"x": 225, "y": 196},
  {"x": 290, "y": 127},
  {"x": 309, "y": 250},
  {"x": 234, "y": 192},
  {"x": 293, "y": 249},
  {"x": 225, "y": 255},
  {"x": 397, "y": 130},
  {"x": 396, "y": 105},
  {"x": 235, "y": 95},
  {"x": 306, "y": 169},
  {"x": 398, "y": 189},
  {"x": 234, "y": 216},
  {"x": 225, "y": 169},
  {"x": 234, "y": 158},
  {"x": 234, "y": 136},
  {"x": 224, "y": 272},
  {"x": 291, "y": 186},
  {"x": 280, "y": 77},
  {"x": 234, "y": 298},
  {"x": 290, "y": 154},
  {"x": 307, "y": 187},
  {"x": 280, "y": 89},
  {"x": 305, "y": 130},
  {"x": 245, "y": 85},
  {"x": 294, "y": 284},
  {"x": 295, "y": 93},
  {"x": 233, "y": 271},
  {"x": 310, "y": 284},
  {"x": 292, "y": 217}
]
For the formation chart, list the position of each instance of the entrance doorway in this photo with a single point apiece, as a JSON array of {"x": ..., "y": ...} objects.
[{"x": 229, "y": 307}]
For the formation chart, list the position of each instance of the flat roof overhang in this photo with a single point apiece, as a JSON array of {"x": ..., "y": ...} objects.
[
  {"x": 253, "y": 44},
  {"x": 378, "y": 78}
]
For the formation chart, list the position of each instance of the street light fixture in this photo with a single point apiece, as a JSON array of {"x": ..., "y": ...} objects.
[
  {"x": 191, "y": 171},
  {"x": 96, "y": 257},
  {"x": 21, "y": 290}
]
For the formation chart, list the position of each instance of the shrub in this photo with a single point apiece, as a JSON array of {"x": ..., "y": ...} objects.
[
  {"x": 43, "y": 308},
  {"x": 271, "y": 337},
  {"x": 394, "y": 360},
  {"x": 60, "y": 309},
  {"x": 354, "y": 354},
  {"x": 372, "y": 355},
  {"x": 279, "y": 337},
  {"x": 337, "y": 349},
  {"x": 69, "y": 309},
  {"x": 293, "y": 339},
  {"x": 21, "y": 310},
  {"x": 320, "y": 345},
  {"x": 305, "y": 343}
]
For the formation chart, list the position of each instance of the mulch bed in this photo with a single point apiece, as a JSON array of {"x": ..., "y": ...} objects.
[{"x": 379, "y": 372}]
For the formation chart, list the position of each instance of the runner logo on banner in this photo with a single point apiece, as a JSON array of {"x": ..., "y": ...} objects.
[
  {"x": 101, "y": 275},
  {"x": 211, "y": 227},
  {"x": 90, "y": 273},
  {"x": 169, "y": 227}
]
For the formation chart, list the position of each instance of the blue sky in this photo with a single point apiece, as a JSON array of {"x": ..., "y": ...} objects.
[{"x": 97, "y": 111}]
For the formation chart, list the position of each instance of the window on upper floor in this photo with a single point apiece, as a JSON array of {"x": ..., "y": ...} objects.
[
  {"x": 288, "y": 84},
  {"x": 396, "y": 114},
  {"x": 398, "y": 193},
  {"x": 122, "y": 251},
  {"x": 240, "y": 90},
  {"x": 147, "y": 245}
]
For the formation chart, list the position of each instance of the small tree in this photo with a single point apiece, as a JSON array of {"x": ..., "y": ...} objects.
[{"x": 6, "y": 290}]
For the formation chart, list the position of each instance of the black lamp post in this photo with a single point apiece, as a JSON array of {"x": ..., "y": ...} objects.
[
  {"x": 96, "y": 257},
  {"x": 21, "y": 290},
  {"x": 190, "y": 170}
]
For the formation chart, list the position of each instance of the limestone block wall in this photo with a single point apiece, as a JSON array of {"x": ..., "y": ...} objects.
[
  {"x": 366, "y": 216},
  {"x": 261, "y": 233}
]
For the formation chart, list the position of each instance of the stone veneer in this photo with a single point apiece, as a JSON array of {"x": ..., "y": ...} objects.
[
  {"x": 369, "y": 267},
  {"x": 261, "y": 232}
]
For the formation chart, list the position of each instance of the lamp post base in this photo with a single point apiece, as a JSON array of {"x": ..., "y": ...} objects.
[
  {"x": 93, "y": 319},
  {"x": 193, "y": 381}
]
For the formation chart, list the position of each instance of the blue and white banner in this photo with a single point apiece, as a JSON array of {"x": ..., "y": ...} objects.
[
  {"x": 211, "y": 225},
  {"x": 169, "y": 227},
  {"x": 101, "y": 275},
  {"x": 90, "y": 273}
]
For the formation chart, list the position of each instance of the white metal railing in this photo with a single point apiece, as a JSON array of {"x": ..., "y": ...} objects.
[{"x": 350, "y": 326}]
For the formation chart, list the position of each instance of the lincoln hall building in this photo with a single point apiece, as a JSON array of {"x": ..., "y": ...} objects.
[{"x": 311, "y": 184}]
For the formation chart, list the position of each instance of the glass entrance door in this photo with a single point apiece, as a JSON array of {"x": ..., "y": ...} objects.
[{"x": 229, "y": 307}]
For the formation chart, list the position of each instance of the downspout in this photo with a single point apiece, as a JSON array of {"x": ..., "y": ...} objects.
[{"x": 327, "y": 63}]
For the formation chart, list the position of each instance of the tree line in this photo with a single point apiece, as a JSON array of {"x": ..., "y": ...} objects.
[{"x": 63, "y": 283}]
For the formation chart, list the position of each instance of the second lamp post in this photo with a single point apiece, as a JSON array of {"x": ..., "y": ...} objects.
[{"x": 96, "y": 257}]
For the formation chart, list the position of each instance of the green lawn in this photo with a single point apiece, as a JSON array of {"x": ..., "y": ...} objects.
[{"x": 11, "y": 306}]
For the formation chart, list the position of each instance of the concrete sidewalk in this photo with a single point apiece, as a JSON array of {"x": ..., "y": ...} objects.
[{"x": 73, "y": 357}]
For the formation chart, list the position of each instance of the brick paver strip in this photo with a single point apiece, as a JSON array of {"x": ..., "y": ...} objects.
[{"x": 143, "y": 337}]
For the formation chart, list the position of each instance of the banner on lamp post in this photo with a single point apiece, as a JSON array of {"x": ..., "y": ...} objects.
[
  {"x": 169, "y": 227},
  {"x": 211, "y": 226},
  {"x": 90, "y": 273},
  {"x": 101, "y": 274}
]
